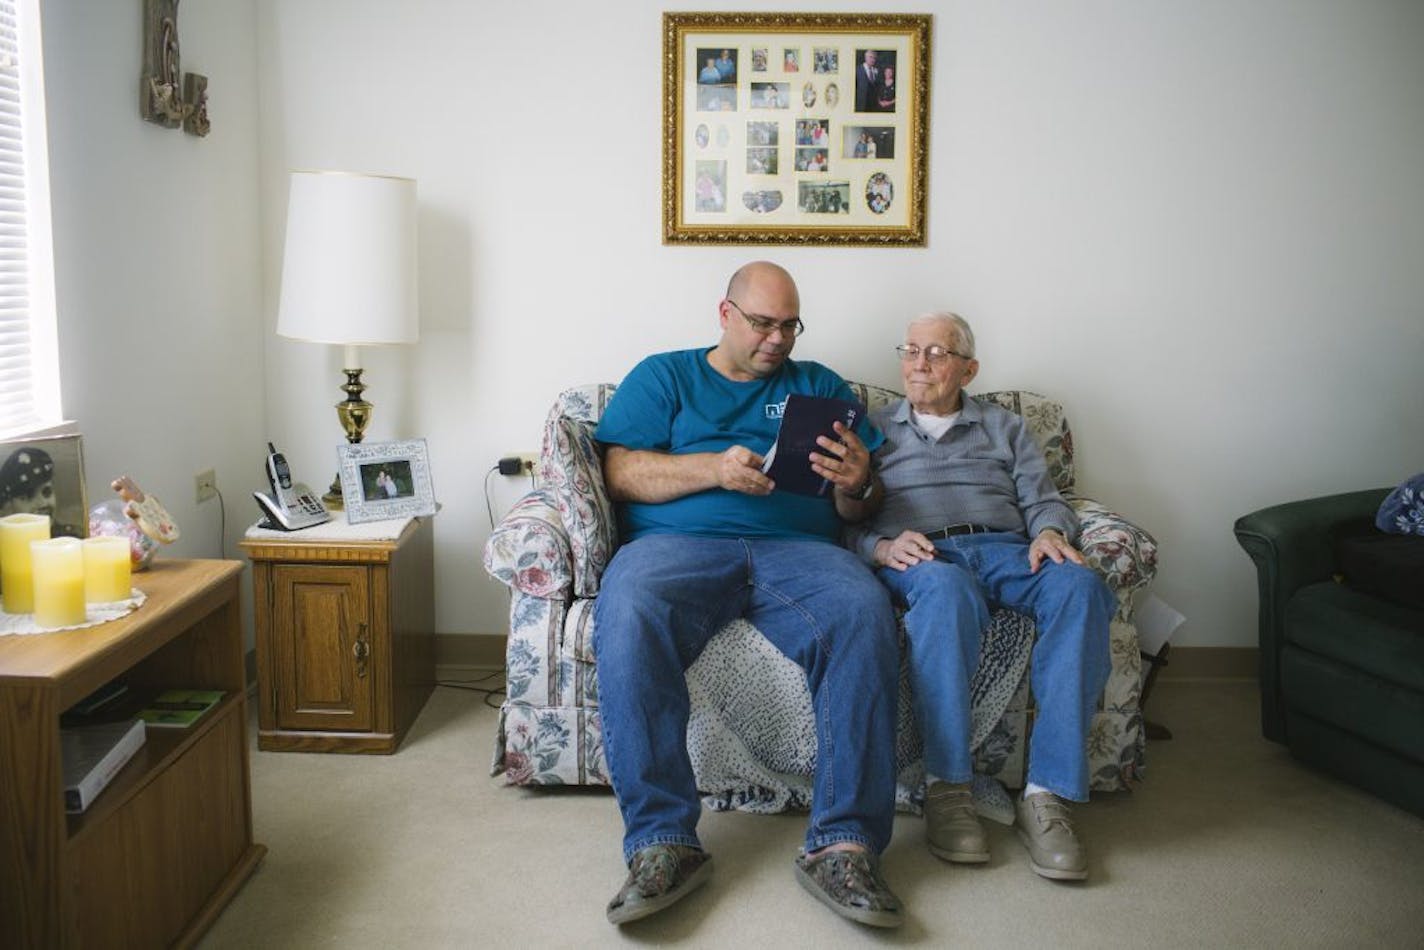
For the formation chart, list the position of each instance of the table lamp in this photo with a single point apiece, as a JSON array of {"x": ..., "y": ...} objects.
[{"x": 349, "y": 275}]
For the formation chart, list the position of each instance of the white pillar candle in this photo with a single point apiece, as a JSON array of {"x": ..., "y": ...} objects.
[
  {"x": 106, "y": 569},
  {"x": 16, "y": 580},
  {"x": 58, "y": 566}
]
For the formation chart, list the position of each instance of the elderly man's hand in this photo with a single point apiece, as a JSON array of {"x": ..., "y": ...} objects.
[
  {"x": 905, "y": 551},
  {"x": 739, "y": 469},
  {"x": 1051, "y": 544},
  {"x": 846, "y": 464}
]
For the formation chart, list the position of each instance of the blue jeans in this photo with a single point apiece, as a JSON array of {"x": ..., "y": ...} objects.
[
  {"x": 661, "y": 600},
  {"x": 948, "y": 603}
]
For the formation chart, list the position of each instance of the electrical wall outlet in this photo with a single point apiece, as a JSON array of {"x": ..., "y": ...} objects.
[{"x": 206, "y": 483}]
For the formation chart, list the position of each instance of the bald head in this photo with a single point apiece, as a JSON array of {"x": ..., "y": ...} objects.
[
  {"x": 760, "y": 318},
  {"x": 761, "y": 276}
]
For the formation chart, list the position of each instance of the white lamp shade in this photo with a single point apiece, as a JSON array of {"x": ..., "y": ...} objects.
[{"x": 349, "y": 266}]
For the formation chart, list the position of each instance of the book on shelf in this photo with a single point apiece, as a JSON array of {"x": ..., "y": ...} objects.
[
  {"x": 788, "y": 463},
  {"x": 102, "y": 705},
  {"x": 180, "y": 708},
  {"x": 92, "y": 756}
]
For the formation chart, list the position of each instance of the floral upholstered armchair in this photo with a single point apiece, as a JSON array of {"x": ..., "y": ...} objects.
[{"x": 751, "y": 734}]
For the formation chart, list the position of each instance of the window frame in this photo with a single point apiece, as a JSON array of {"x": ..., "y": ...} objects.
[{"x": 40, "y": 318}]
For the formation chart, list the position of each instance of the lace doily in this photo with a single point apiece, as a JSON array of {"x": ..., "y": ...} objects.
[{"x": 94, "y": 614}]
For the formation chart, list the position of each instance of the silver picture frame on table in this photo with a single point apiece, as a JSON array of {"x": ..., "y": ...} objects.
[{"x": 383, "y": 480}]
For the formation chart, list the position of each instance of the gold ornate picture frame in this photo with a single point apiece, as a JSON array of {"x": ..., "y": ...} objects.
[{"x": 795, "y": 128}]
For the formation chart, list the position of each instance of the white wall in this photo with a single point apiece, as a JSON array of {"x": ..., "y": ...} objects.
[
  {"x": 158, "y": 275},
  {"x": 1198, "y": 225}
]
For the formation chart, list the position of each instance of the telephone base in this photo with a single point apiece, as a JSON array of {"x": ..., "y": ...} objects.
[{"x": 308, "y": 513}]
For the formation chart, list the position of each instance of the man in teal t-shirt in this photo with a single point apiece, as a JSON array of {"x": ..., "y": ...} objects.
[{"x": 709, "y": 539}]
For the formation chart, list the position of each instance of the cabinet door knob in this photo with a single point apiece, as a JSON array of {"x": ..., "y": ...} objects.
[{"x": 361, "y": 650}]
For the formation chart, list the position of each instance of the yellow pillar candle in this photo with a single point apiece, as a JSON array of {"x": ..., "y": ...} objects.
[
  {"x": 106, "y": 569},
  {"x": 59, "y": 581},
  {"x": 16, "y": 583}
]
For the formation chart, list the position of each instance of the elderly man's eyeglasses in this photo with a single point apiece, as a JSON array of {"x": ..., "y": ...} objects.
[
  {"x": 766, "y": 326},
  {"x": 935, "y": 353}
]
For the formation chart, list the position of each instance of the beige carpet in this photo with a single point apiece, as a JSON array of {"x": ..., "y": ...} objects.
[{"x": 1229, "y": 843}]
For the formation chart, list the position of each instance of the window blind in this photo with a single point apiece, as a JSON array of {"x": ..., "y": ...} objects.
[{"x": 18, "y": 408}]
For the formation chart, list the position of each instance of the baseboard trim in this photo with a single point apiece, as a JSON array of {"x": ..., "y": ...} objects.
[
  {"x": 1210, "y": 664},
  {"x": 460, "y": 653},
  {"x": 456, "y": 654}
]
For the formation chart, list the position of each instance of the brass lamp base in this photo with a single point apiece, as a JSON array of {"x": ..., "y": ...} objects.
[
  {"x": 333, "y": 499},
  {"x": 354, "y": 413}
]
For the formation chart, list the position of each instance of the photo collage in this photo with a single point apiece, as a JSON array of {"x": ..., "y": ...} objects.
[{"x": 804, "y": 128}]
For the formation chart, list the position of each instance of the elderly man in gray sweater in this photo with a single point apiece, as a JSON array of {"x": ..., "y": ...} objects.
[{"x": 971, "y": 520}]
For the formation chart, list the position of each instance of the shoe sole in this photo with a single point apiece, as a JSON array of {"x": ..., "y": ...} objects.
[
  {"x": 872, "y": 918},
  {"x": 637, "y": 911},
  {"x": 959, "y": 857},
  {"x": 1055, "y": 874}
]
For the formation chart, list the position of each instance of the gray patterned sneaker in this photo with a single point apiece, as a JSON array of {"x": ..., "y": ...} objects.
[
  {"x": 849, "y": 883},
  {"x": 659, "y": 876},
  {"x": 1047, "y": 831},
  {"x": 952, "y": 829}
]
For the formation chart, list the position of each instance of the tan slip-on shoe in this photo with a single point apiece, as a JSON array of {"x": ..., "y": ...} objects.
[
  {"x": 952, "y": 828},
  {"x": 1046, "y": 829}
]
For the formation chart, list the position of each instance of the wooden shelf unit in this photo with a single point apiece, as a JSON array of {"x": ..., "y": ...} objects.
[{"x": 168, "y": 843}]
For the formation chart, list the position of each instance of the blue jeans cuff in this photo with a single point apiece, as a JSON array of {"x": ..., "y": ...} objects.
[
  {"x": 688, "y": 840},
  {"x": 1055, "y": 788},
  {"x": 826, "y": 840}
]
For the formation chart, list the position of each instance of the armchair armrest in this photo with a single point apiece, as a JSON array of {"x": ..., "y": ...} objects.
[
  {"x": 529, "y": 549},
  {"x": 1121, "y": 551},
  {"x": 1291, "y": 547},
  {"x": 1291, "y": 543},
  {"x": 573, "y": 472}
]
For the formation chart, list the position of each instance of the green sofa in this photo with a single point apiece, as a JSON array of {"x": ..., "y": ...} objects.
[{"x": 1342, "y": 671}]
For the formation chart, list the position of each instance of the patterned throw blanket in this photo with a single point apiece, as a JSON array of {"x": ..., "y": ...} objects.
[{"x": 752, "y": 733}]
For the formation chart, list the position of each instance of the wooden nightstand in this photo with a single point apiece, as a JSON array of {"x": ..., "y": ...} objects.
[{"x": 345, "y": 634}]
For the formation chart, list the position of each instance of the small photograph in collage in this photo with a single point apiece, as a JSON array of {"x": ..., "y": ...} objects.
[
  {"x": 717, "y": 67},
  {"x": 711, "y": 186},
  {"x": 867, "y": 141},
  {"x": 812, "y": 160},
  {"x": 761, "y": 202},
  {"x": 761, "y": 161},
  {"x": 829, "y": 197},
  {"x": 879, "y": 193},
  {"x": 771, "y": 95},
  {"x": 813, "y": 132},
  {"x": 716, "y": 98},
  {"x": 763, "y": 133}
]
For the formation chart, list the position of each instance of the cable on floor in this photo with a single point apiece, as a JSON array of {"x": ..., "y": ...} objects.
[{"x": 487, "y": 693}]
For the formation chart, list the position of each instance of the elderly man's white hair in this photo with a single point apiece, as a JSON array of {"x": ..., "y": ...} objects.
[{"x": 964, "y": 334}]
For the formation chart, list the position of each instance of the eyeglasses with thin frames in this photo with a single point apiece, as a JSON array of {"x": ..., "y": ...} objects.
[
  {"x": 766, "y": 326},
  {"x": 935, "y": 353}
]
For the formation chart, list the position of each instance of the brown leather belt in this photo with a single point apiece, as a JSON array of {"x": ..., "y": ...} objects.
[{"x": 950, "y": 531}]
